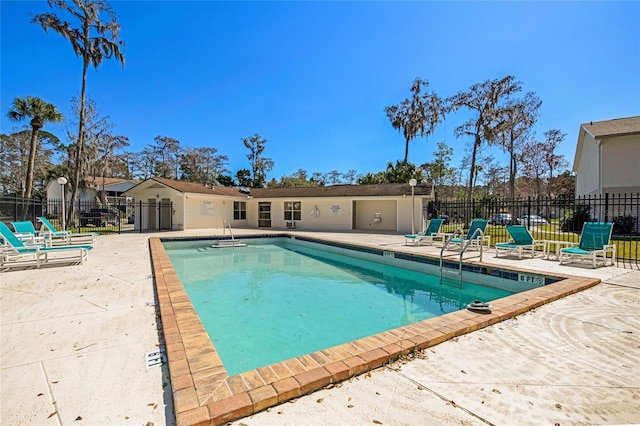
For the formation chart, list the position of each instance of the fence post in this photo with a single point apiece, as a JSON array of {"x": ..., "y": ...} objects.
[
  {"x": 528, "y": 211},
  {"x": 473, "y": 210},
  {"x": 606, "y": 207}
]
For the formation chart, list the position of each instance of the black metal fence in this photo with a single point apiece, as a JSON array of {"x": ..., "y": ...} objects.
[
  {"x": 88, "y": 215},
  {"x": 550, "y": 218}
]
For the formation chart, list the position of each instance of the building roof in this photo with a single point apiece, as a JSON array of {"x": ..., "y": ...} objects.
[
  {"x": 605, "y": 129},
  {"x": 197, "y": 188},
  {"x": 99, "y": 181},
  {"x": 375, "y": 190},
  {"x": 392, "y": 189},
  {"x": 616, "y": 127}
]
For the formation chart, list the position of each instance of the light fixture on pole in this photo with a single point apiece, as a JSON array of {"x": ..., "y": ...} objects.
[
  {"x": 413, "y": 184},
  {"x": 63, "y": 181}
]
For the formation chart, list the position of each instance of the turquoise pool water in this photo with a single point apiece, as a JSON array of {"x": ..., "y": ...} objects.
[{"x": 269, "y": 302}]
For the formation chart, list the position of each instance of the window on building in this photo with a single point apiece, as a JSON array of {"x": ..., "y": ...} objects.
[
  {"x": 292, "y": 210},
  {"x": 239, "y": 210}
]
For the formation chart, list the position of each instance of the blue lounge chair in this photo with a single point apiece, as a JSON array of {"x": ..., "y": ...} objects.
[
  {"x": 593, "y": 245},
  {"x": 14, "y": 253},
  {"x": 26, "y": 233},
  {"x": 52, "y": 232},
  {"x": 431, "y": 234},
  {"x": 521, "y": 242},
  {"x": 456, "y": 242}
]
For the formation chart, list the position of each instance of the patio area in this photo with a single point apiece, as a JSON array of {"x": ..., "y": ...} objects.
[{"x": 74, "y": 340}]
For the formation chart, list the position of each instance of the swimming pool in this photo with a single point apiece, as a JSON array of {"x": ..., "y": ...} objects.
[
  {"x": 203, "y": 392},
  {"x": 276, "y": 299}
]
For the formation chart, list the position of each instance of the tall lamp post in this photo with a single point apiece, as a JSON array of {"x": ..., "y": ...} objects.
[
  {"x": 63, "y": 181},
  {"x": 413, "y": 184}
]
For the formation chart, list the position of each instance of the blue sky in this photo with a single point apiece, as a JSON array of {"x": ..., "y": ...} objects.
[{"x": 313, "y": 78}]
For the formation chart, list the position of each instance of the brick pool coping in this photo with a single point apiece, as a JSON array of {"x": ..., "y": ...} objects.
[{"x": 204, "y": 394}]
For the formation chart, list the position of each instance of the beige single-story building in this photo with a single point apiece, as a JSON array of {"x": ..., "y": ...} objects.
[
  {"x": 607, "y": 157},
  {"x": 177, "y": 205}
]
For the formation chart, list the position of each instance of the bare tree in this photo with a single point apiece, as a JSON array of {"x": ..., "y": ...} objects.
[
  {"x": 259, "y": 165},
  {"x": 350, "y": 176},
  {"x": 484, "y": 100},
  {"x": 15, "y": 150},
  {"x": 514, "y": 124},
  {"x": 495, "y": 177},
  {"x": 202, "y": 165},
  {"x": 553, "y": 138},
  {"x": 167, "y": 152},
  {"x": 318, "y": 178},
  {"x": 334, "y": 177},
  {"x": 417, "y": 116},
  {"x": 438, "y": 170},
  {"x": 534, "y": 164},
  {"x": 146, "y": 163}
]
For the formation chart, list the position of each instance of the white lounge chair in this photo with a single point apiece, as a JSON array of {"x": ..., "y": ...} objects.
[
  {"x": 521, "y": 242},
  {"x": 456, "y": 243},
  {"x": 431, "y": 234},
  {"x": 49, "y": 230},
  {"x": 14, "y": 253},
  {"x": 593, "y": 245}
]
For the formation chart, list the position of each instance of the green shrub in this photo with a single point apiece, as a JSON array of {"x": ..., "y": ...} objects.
[
  {"x": 623, "y": 224},
  {"x": 572, "y": 222}
]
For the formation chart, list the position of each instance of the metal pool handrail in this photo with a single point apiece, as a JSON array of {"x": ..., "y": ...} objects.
[{"x": 462, "y": 250}]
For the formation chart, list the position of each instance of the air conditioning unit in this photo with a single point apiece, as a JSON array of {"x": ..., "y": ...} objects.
[{"x": 291, "y": 225}]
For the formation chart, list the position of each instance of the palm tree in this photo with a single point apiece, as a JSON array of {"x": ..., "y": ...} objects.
[
  {"x": 94, "y": 40},
  {"x": 40, "y": 113}
]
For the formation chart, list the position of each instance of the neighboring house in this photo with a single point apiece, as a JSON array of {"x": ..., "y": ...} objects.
[
  {"x": 99, "y": 191},
  {"x": 386, "y": 208},
  {"x": 607, "y": 157}
]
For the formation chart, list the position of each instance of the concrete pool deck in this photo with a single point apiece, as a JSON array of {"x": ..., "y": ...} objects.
[{"x": 73, "y": 341}]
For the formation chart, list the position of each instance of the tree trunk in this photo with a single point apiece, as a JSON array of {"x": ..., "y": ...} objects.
[
  {"x": 406, "y": 151},
  {"x": 31, "y": 165},
  {"x": 472, "y": 172},
  {"x": 512, "y": 177},
  {"x": 79, "y": 146}
]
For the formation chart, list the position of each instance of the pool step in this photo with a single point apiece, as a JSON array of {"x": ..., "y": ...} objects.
[{"x": 229, "y": 243}]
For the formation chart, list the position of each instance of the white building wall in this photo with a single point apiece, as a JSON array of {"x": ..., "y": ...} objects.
[
  {"x": 404, "y": 214},
  {"x": 315, "y": 213},
  {"x": 377, "y": 215},
  {"x": 180, "y": 207},
  {"x": 157, "y": 195},
  {"x": 587, "y": 175},
  {"x": 206, "y": 211},
  {"x": 337, "y": 214},
  {"x": 621, "y": 164},
  {"x": 323, "y": 214}
]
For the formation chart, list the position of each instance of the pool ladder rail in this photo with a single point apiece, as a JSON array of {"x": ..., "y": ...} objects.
[
  {"x": 232, "y": 242},
  {"x": 477, "y": 234}
]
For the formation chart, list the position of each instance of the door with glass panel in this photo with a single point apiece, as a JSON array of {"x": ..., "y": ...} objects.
[{"x": 264, "y": 215}]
